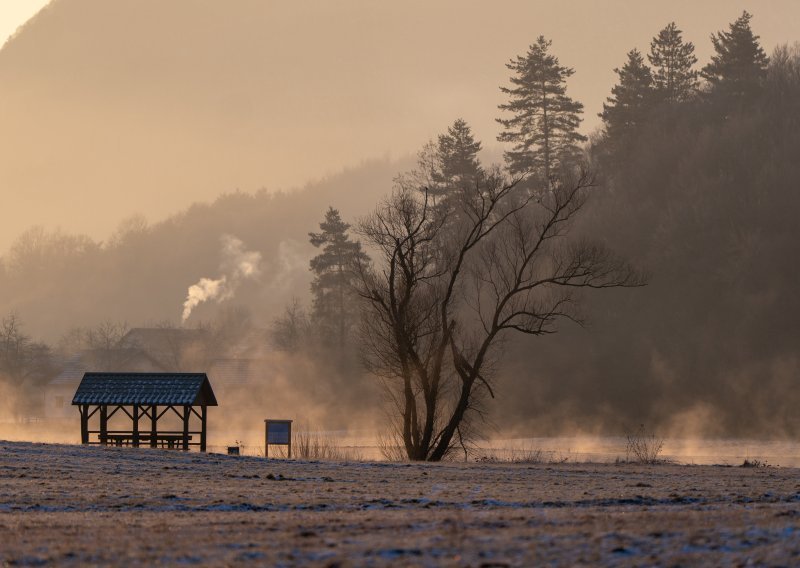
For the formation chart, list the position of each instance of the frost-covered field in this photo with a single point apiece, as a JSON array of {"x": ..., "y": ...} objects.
[{"x": 72, "y": 505}]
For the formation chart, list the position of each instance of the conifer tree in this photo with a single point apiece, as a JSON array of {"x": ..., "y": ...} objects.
[
  {"x": 457, "y": 153},
  {"x": 544, "y": 122},
  {"x": 672, "y": 59},
  {"x": 631, "y": 97},
  {"x": 334, "y": 311},
  {"x": 739, "y": 64},
  {"x": 445, "y": 167}
]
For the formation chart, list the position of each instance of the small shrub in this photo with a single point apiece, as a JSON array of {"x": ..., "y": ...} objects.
[
  {"x": 643, "y": 447},
  {"x": 754, "y": 463},
  {"x": 315, "y": 446}
]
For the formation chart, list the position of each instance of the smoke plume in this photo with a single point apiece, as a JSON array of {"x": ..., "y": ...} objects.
[{"x": 237, "y": 265}]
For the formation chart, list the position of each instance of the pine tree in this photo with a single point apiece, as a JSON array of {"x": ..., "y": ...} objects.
[
  {"x": 455, "y": 166},
  {"x": 630, "y": 99},
  {"x": 739, "y": 64},
  {"x": 445, "y": 167},
  {"x": 457, "y": 153},
  {"x": 544, "y": 125},
  {"x": 672, "y": 59},
  {"x": 334, "y": 311}
]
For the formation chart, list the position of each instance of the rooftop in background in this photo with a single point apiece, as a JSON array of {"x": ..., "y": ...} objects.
[{"x": 145, "y": 388}]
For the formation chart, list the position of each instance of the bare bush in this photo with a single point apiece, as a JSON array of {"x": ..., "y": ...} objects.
[
  {"x": 316, "y": 446},
  {"x": 391, "y": 447},
  {"x": 643, "y": 447}
]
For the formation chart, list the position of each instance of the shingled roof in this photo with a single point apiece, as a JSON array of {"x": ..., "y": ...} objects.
[{"x": 145, "y": 388}]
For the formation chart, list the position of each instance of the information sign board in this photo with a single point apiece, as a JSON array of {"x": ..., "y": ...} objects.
[{"x": 279, "y": 433}]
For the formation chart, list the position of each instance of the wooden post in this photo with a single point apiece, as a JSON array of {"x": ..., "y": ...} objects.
[
  {"x": 103, "y": 424},
  {"x": 203, "y": 428},
  {"x": 135, "y": 425},
  {"x": 266, "y": 438},
  {"x": 153, "y": 426},
  {"x": 290, "y": 440},
  {"x": 185, "y": 427},
  {"x": 84, "y": 408}
]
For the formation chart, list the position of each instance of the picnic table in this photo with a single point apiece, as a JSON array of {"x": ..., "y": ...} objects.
[{"x": 162, "y": 440}]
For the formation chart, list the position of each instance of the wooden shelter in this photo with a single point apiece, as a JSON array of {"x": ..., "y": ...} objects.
[{"x": 145, "y": 398}]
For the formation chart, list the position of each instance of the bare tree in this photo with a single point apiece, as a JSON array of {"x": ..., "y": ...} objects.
[
  {"x": 105, "y": 341},
  {"x": 291, "y": 329},
  {"x": 439, "y": 302},
  {"x": 21, "y": 358}
]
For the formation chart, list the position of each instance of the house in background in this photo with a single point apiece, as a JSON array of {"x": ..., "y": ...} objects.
[
  {"x": 168, "y": 350},
  {"x": 232, "y": 375},
  {"x": 58, "y": 392}
]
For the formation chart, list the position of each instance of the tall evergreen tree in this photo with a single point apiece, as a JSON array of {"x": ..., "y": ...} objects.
[
  {"x": 334, "y": 311},
  {"x": 457, "y": 153},
  {"x": 739, "y": 63},
  {"x": 630, "y": 99},
  {"x": 544, "y": 122},
  {"x": 445, "y": 167},
  {"x": 672, "y": 59}
]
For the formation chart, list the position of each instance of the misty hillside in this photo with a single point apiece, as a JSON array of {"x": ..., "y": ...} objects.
[
  {"x": 705, "y": 196},
  {"x": 55, "y": 280}
]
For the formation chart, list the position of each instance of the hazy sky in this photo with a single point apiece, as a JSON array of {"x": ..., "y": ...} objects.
[
  {"x": 14, "y": 13},
  {"x": 115, "y": 107}
]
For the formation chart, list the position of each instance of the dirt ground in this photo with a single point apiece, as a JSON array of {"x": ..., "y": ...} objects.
[{"x": 73, "y": 505}]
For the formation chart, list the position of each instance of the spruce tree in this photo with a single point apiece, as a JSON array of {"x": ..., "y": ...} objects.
[
  {"x": 672, "y": 59},
  {"x": 544, "y": 122},
  {"x": 445, "y": 167},
  {"x": 334, "y": 310},
  {"x": 457, "y": 153},
  {"x": 739, "y": 64},
  {"x": 630, "y": 99}
]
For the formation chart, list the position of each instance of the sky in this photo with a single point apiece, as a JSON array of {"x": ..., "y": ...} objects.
[
  {"x": 111, "y": 108},
  {"x": 14, "y": 13}
]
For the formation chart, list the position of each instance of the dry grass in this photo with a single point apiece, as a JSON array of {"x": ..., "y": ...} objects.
[{"x": 522, "y": 455}]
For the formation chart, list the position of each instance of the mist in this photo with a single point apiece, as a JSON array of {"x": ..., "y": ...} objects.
[{"x": 163, "y": 165}]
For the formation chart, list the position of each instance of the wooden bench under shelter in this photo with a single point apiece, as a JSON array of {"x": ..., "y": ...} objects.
[{"x": 145, "y": 398}]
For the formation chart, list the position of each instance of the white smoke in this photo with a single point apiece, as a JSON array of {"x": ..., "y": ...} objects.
[
  {"x": 237, "y": 265},
  {"x": 289, "y": 270}
]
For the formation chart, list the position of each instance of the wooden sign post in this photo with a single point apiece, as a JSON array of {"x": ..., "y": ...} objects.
[{"x": 279, "y": 433}]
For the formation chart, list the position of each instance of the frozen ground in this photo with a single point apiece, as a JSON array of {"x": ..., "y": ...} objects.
[{"x": 73, "y": 505}]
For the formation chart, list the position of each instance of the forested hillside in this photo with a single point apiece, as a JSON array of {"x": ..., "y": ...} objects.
[{"x": 701, "y": 188}]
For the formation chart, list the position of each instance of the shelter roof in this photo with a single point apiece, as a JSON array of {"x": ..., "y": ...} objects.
[
  {"x": 235, "y": 372},
  {"x": 145, "y": 388}
]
